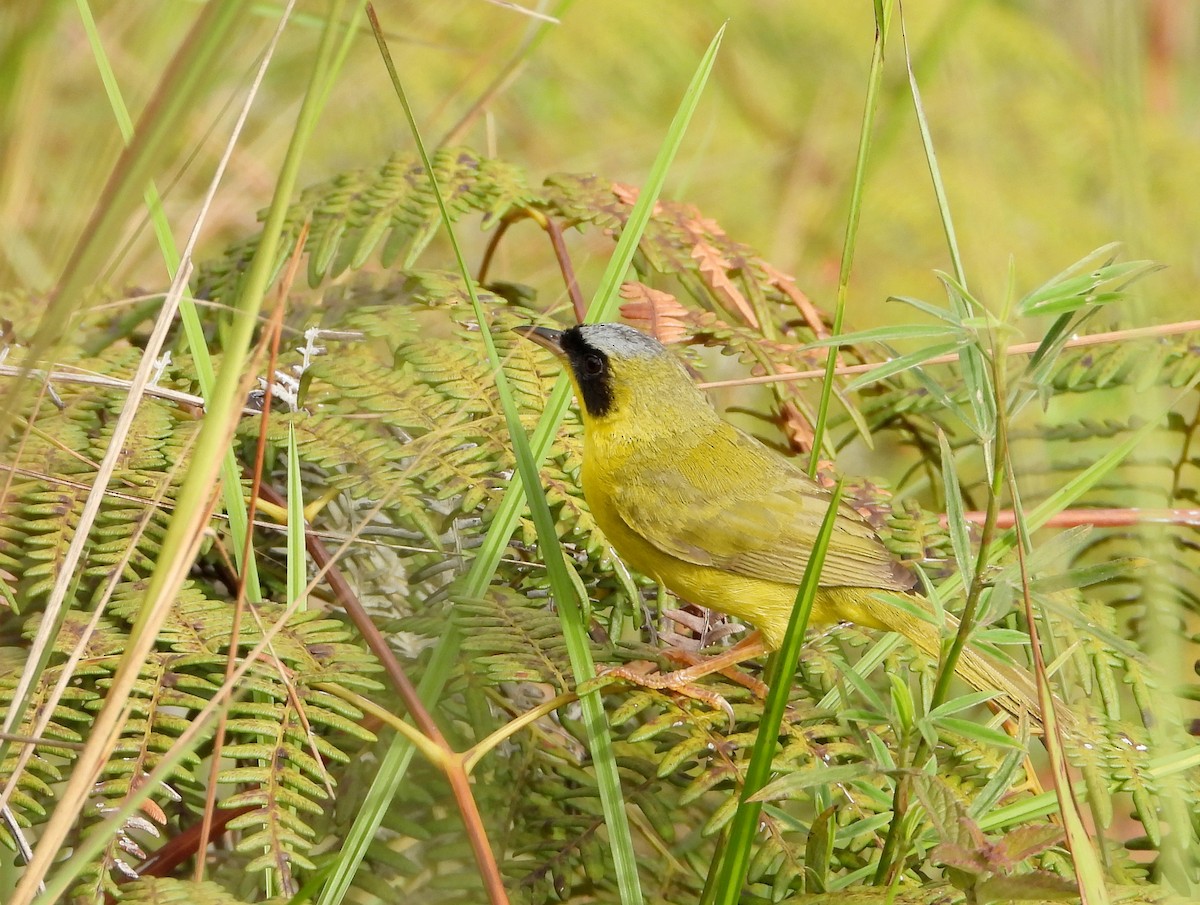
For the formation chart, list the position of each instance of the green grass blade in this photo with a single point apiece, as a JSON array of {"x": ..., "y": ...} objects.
[
  {"x": 1099, "y": 257},
  {"x": 942, "y": 314},
  {"x": 495, "y": 542},
  {"x": 956, "y": 521},
  {"x": 561, "y": 586},
  {"x": 362, "y": 831},
  {"x": 935, "y": 173},
  {"x": 602, "y": 305},
  {"x": 1086, "y": 860},
  {"x": 903, "y": 363},
  {"x": 887, "y": 334},
  {"x": 158, "y": 216},
  {"x": 174, "y": 100},
  {"x": 297, "y": 555},
  {"x": 883, "y": 16},
  {"x": 192, "y": 502},
  {"x": 744, "y": 828},
  {"x": 235, "y": 504},
  {"x": 976, "y": 375}
]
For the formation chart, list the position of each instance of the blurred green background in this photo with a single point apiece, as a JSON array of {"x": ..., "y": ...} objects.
[{"x": 1059, "y": 125}]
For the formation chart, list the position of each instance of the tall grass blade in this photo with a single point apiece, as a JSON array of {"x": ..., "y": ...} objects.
[
  {"x": 960, "y": 538},
  {"x": 193, "y": 503},
  {"x": 1088, "y": 871},
  {"x": 158, "y": 216},
  {"x": 173, "y": 100},
  {"x": 883, "y": 17},
  {"x": 935, "y": 172},
  {"x": 297, "y": 554},
  {"x": 495, "y": 542},
  {"x": 744, "y": 828},
  {"x": 235, "y": 505}
]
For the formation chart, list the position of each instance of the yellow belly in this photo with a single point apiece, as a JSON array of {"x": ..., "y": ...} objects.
[{"x": 766, "y": 605}]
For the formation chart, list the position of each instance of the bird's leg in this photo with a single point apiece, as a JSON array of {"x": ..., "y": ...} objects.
[
  {"x": 747, "y": 649},
  {"x": 683, "y": 680}
]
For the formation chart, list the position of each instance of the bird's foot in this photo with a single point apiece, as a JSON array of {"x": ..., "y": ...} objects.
[
  {"x": 680, "y": 681},
  {"x": 683, "y": 681},
  {"x": 694, "y": 663}
]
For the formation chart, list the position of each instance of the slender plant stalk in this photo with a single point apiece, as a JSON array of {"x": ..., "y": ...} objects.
[
  {"x": 194, "y": 333},
  {"x": 883, "y": 15},
  {"x": 194, "y": 502},
  {"x": 537, "y": 32},
  {"x": 744, "y": 828},
  {"x": 935, "y": 173},
  {"x": 239, "y": 604},
  {"x": 1088, "y": 872},
  {"x": 173, "y": 100},
  {"x": 153, "y": 201},
  {"x": 890, "y": 861},
  {"x": 979, "y": 576},
  {"x": 437, "y": 673}
]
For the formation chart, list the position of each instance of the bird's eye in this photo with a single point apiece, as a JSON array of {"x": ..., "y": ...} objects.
[{"x": 593, "y": 365}]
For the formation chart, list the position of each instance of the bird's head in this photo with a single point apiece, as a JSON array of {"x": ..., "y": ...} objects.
[{"x": 622, "y": 374}]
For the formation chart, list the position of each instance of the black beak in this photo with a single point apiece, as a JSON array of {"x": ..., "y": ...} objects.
[{"x": 543, "y": 336}]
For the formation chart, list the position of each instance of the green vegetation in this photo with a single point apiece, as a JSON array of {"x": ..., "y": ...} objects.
[{"x": 384, "y": 690}]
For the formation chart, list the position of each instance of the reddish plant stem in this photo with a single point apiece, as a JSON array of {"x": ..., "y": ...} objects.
[
  {"x": 1100, "y": 518},
  {"x": 271, "y": 340},
  {"x": 1092, "y": 339},
  {"x": 452, "y": 765}
]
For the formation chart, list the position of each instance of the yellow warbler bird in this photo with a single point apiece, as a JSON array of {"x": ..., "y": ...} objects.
[{"x": 722, "y": 520}]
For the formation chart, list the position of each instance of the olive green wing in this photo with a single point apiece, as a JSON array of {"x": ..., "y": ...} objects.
[{"x": 760, "y": 523}]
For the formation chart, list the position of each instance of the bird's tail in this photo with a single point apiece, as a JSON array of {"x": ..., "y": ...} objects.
[{"x": 1016, "y": 685}]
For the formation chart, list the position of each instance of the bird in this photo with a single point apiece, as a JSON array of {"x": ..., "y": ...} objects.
[{"x": 726, "y": 522}]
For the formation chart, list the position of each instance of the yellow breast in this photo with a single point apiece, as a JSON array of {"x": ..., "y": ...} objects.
[{"x": 766, "y": 605}]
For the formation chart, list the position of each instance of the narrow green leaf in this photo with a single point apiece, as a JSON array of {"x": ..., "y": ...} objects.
[
  {"x": 1088, "y": 870},
  {"x": 903, "y": 363},
  {"x": 1053, "y": 342},
  {"x": 866, "y": 664},
  {"x": 890, "y": 333},
  {"x": 158, "y": 216},
  {"x": 870, "y": 105},
  {"x": 935, "y": 173},
  {"x": 1000, "y": 636},
  {"x": 1102, "y": 285},
  {"x": 964, "y": 702},
  {"x": 942, "y": 314},
  {"x": 1011, "y": 771},
  {"x": 297, "y": 556},
  {"x": 902, "y": 702},
  {"x": 731, "y": 870},
  {"x": 529, "y": 456},
  {"x": 960, "y": 538},
  {"x": 235, "y": 504},
  {"x": 820, "y": 775},
  {"x": 174, "y": 99},
  {"x": 1105, "y": 253},
  {"x": 980, "y": 733},
  {"x": 818, "y": 851}
]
